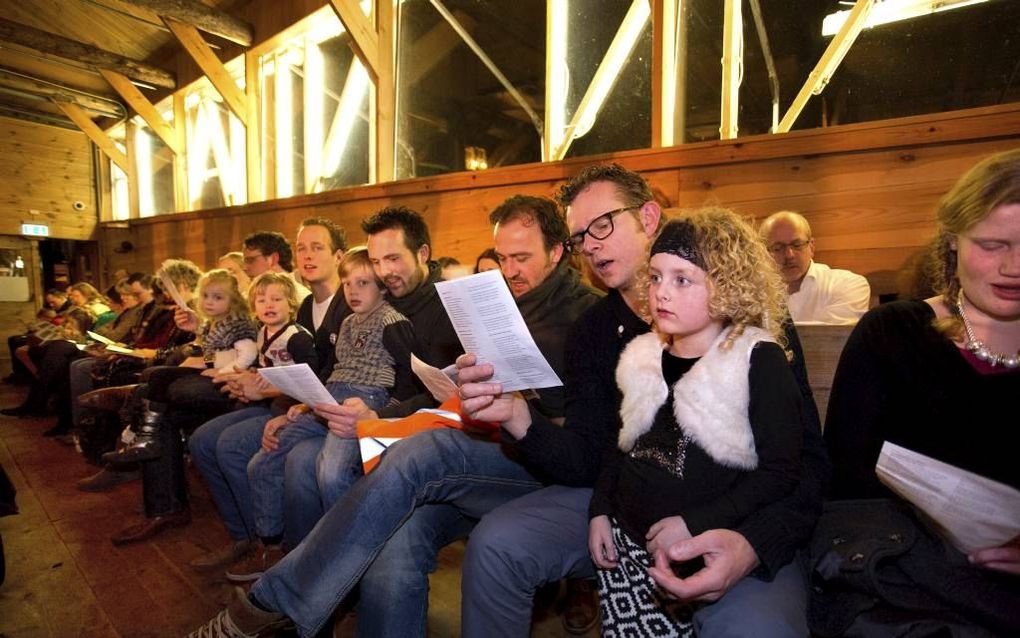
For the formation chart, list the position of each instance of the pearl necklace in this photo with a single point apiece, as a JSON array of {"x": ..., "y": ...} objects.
[{"x": 978, "y": 347}]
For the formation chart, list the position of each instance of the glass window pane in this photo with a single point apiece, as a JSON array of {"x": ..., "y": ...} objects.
[
  {"x": 155, "y": 164},
  {"x": 448, "y": 101},
  {"x": 216, "y": 150},
  {"x": 609, "y": 109},
  {"x": 119, "y": 202}
]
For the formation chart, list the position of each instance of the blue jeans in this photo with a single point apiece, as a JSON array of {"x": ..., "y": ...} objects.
[
  {"x": 434, "y": 467},
  {"x": 266, "y": 469},
  {"x": 221, "y": 449},
  {"x": 543, "y": 537}
]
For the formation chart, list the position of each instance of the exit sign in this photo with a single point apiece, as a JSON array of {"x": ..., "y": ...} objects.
[{"x": 35, "y": 230}]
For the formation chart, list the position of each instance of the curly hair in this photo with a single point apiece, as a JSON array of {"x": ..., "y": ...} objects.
[
  {"x": 745, "y": 289},
  {"x": 238, "y": 307},
  {"x": 993, "y": 182},
  {"x": 268, "y": 242},
  {"x": 281, "y": 279},
  {"x": 182, "y": 271}
]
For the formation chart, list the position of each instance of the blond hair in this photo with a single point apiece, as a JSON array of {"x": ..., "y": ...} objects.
[
  {"x": 745, "y": 289},
  {"x": 237, "y": 308},
  {"x": 268, "y": 279}
]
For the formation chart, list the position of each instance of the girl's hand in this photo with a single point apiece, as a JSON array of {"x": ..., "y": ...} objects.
[
  {"x": 600, "y": 543},
  {"x": 664, "y": 533},
  {"x": 297, "y": 410},
  {"x": 210, "y": 372},
  {"x": 193, "y": 362},
  {"x": 269, "y": 439},
  {"x": 186, "y": 319},
  {"x": 1005, "y": 558}
]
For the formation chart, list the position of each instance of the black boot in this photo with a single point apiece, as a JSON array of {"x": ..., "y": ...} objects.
[{"x": 146, "y": 445}]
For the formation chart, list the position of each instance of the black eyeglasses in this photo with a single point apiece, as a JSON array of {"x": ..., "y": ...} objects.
[
  {"x": 600, "y": 228},
  {"x": 780, "y": 248}
]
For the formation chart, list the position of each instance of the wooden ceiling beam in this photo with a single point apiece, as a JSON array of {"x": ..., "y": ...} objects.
[
  {"x": 96, "y": 134},
  {"x": 364, "y": 37},
  {"x": 202, "y": 17},
  {"x": 144, "y": 108},
  {"x": 211, "y": 66},
  {"x": 46, "y": 42},
  {"x": 11, "y": 79}
]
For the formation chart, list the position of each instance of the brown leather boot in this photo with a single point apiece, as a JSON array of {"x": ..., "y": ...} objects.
[{"x": 109, "y": 399}]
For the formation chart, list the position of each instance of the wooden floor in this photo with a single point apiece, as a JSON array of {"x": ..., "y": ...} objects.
[{"x": 65, "y": 578}]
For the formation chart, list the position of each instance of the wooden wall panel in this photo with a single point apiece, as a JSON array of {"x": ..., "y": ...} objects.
[
  {"x": 45, "y": 169},
  {"x": 868, "y": 190}
]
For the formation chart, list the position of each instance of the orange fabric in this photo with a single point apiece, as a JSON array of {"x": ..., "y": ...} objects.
[{"x": 420, "y": 422}]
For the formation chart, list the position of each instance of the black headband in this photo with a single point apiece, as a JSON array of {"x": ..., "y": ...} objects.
[{"x": 678, "y": 238}]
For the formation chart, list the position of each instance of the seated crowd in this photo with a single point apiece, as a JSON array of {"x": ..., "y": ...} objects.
[{"x": 680, "y": 470}]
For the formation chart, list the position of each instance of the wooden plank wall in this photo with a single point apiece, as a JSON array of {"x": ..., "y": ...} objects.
[
  {"x": 868, "y": 190},
  {"x": 45, "y": 169}
]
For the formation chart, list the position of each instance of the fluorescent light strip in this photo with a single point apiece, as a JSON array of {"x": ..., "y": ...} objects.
[
  {"x": 894, "y": 11},
  {"x": 284, "y": 121},
  {"x": 351, "y": 97},
  {"x": 143, "y": 151},
  {"x": 559, "y": 72}
]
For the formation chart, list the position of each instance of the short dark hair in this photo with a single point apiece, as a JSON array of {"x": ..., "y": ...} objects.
[
  {"x": 416, "y": 232},
  {"x": 488, "y": 253},
  {"x": 631, "y": 186},
  {"x": 337, "y": 235},
  {"x": 142, "y": 278},
  {"x": 55, "y": 292},
  {"x": 269, "y": 242},
  {"x": 530, "y": 209},
  {"x": 113, "y": 294}
]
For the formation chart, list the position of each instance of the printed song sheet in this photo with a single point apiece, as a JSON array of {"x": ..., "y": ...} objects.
[
  {"x": 100, "y": 338},
  {"x": 973, "y": 512},
  {"x": 489, "y": 325},
  {"x": 298, "y": 382},
  {"x": 438, "y": 382},
  {"x": 171, "y": 290}
]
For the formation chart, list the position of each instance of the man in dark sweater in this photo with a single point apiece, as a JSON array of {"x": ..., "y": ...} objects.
[
  {"x": 429, "y": 489},
  {"x": 542, "y": 537}
]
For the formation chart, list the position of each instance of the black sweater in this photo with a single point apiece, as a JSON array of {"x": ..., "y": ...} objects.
[
  {"x": 325, "y": 336},
  {"x": 571, "y": 455},
  {"x": 644, "y": 487},
  {"x": 900, "y": 380}
]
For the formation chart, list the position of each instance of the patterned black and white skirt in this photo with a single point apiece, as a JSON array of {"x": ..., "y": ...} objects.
[{"x": 631, "y": 602}]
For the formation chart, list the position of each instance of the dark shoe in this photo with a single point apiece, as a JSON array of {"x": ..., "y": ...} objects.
[
  {"x": 143, "y": 448},
  {"x": 224, "y": 556},
  {"x": 22, "y": 410},
  {"x": 151, "y": 527},
  {"x": 109, "y": 399},
  {"x": 255, "y": 564},
  {"x": 59, "y": 429},
  {"x": 242, "y": 619},
  {"x": 106, "y": 479},
  {"x": 582, "y": 607}
]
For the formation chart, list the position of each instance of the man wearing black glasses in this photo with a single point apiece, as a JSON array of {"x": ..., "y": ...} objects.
[
  {"x": 542, "y": 537},
  {"x": 818, "y": 294}
]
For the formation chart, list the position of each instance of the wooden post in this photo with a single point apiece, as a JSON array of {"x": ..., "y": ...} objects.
[
  {"x": 130, "y": 131},
  {"x": 733, "y": 38},
  {"x": 181, "y": 201},
  {"x": 253, "y": 146},
  {"x": 665, "y": 71},
  {"x": 143, "y": 107},
  {"x": 211, "y": 66},
  {"x": 386, "y": 93},
  {"x": 94, "y": 133}
]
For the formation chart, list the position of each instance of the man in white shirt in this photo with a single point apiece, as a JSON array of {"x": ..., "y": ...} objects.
[{"x": 818, "y": 294}]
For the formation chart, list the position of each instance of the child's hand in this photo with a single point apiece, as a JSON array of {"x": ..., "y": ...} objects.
[
  {"x": 297, "y": 410},
  {"x": 186, "y": 319},
  {"x": 664, "y": 533},
  {"x": 600, "y": 543},
  {"x": 211, "y": 373},
  {"x": 1005, "y": 558},
  {"x": 269, "y": 439},
  {"x": 193, "y": 362}
]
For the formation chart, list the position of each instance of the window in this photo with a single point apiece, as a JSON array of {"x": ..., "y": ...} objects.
[{"x": 216, "y": 148}]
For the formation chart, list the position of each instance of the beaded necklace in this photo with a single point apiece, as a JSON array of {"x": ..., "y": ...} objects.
[{"x": 979, "y": 349}]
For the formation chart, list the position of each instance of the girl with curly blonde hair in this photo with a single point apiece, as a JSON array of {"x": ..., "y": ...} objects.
[{"x": 711, "y": 427}]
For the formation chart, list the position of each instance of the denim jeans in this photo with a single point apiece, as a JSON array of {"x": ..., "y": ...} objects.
[
  {"x": 434, "y": 467},
  {"x": 266, "y": 469},
  {"x": 221, "y": 449},
  {"x": 543, "y": 537},
  {"x": 80, "y": 378},
  {"x": 394, "y": 599}
]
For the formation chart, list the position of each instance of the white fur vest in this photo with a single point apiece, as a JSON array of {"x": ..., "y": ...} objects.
[{"x": 710, "y": 401}]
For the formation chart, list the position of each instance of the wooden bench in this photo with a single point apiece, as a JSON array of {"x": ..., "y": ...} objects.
[{"x": 822, "y": 346}]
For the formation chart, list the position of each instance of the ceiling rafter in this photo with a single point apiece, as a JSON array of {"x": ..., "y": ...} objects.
[
  {"x": 202, "y": 17},
  {"x": 45, "y": 42}
]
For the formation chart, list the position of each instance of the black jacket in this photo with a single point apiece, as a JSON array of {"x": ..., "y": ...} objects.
[{"x": 325, "y": 336}]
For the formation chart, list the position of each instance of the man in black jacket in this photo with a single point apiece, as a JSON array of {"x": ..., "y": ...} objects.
[{"x": 542, "y": 537}]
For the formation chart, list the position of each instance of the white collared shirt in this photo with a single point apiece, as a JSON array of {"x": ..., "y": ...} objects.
[{"x": 829, "y": 295}]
